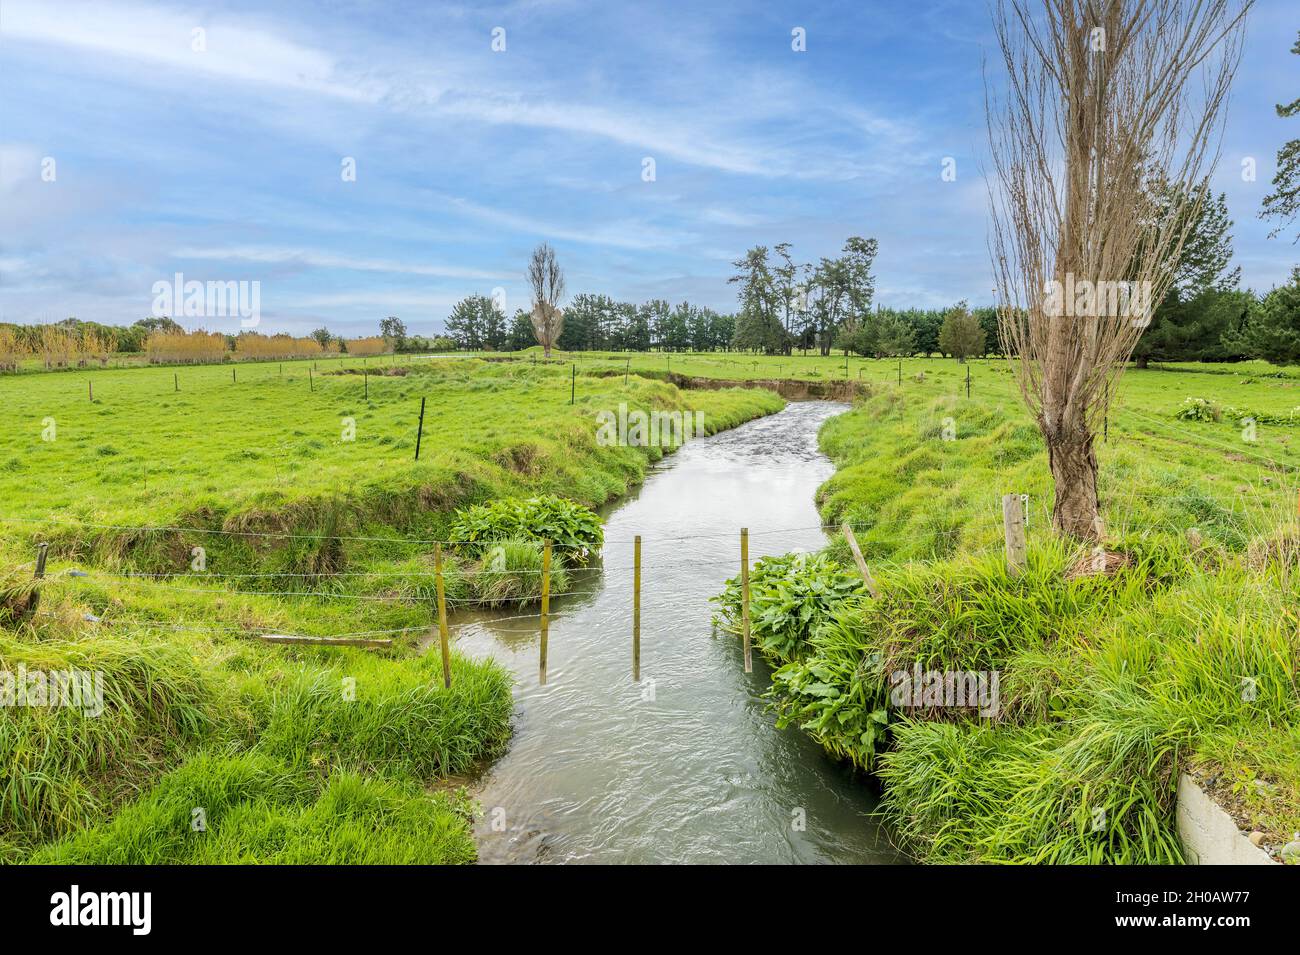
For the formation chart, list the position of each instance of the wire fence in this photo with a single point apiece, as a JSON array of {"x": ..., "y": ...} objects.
[
  {"x": 985, "y": 523},
  {"x": 672, "y": 563}
]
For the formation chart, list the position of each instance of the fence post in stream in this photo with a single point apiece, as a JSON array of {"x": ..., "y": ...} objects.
[
  {"x": 442, "y": 617},
  {"x": 419, "y": 431},
  {"x": 546, "y": 606},
  {"x": 1013, "y": 523},
  {"x": 636, "y": 609},
  {"x": 859, "y": 559},
  {"x": 744, "y": 589}
]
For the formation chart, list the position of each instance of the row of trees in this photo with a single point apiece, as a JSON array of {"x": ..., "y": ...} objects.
[
  {"x": 56, "y": 346},
  {"x": 593, "y": 323},
  {"x": 785, "y": 305},
  {"x": 170, "y": 345},
  {"x": 75, "y": 344},
  {"x": 1205, "y": 318}
]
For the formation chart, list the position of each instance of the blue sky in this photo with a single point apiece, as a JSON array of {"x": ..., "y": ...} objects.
[{"x": 225, "y": 163}]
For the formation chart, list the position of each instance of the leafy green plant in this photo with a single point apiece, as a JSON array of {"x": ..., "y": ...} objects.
[
  {"x": 1202, "y": 409},
  {"x": 1199, "y": 409},
  {"x": 571, "y": 528},
  {"x": 789, "y": 595},
  {"x": 837, "y": 692}
]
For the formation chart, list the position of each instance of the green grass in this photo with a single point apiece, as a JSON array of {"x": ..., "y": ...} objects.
[
  {"x": 294, "y": 753},
  {"x": 1110, "y": 686},
  {"x": 309, "y": 754},
  {"x": 257, "y": 810}
]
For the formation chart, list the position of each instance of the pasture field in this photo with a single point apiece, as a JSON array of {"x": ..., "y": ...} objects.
[
  {"x": 295, "y": 753},
  {"x": 314, "y": 518},
  {"x": 1185, "y": 658}
]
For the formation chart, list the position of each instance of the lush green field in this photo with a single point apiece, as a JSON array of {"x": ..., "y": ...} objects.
[
  {"x": 300, "y": 753},
  {"x": 288, "y": 753},
  {"x": 1185, "y": 659}
]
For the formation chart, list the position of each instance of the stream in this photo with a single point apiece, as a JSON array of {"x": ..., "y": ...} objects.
[{"x": 686, "y": 766}]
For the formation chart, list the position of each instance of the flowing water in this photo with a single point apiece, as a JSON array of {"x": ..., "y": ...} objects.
[{"x": 686, "y": 765}]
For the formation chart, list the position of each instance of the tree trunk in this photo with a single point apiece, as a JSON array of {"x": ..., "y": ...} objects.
[
  {"x": 1074, "y": 471},
  {"x": 546, "y": 351},
  {"x": 1142, "y": 361}
]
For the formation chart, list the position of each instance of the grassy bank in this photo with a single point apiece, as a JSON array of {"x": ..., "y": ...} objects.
[
  {"x": 1185, "y": 658},
  {"x": 312, "y": 518}
]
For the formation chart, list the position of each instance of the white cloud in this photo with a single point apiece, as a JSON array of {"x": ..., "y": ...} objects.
[
  {"x": 708, "y": 135},
  {"x": 622, "y": 234},
  {"x": 159, "y": 36},
  {"x": 331, "y": 260}
]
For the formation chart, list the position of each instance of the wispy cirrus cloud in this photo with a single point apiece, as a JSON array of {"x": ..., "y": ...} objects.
[{"x": 318, "y": 259}]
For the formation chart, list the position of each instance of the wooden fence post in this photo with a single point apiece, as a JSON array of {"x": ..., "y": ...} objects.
[
  {"x": 968, "y": 381},
  {"x": 744, "y": 588},
  {"x": 1013, "y": 523},
  {"x": 365, "y": 377},
  {"x": 442, "y": 617},
  {"x": 859, "y": 560},
  {"x": 636, "y": 609},
  {"x": 573, "y": 383},
  {"x": 419, "y": 431},
  {"x": 1105, "y": 421},
  {"x": 311, "y": 385},
  {"x": 176, "y": 380},
  {"x": 546, "y": 604},
  {"x": 34, "y": 598}
]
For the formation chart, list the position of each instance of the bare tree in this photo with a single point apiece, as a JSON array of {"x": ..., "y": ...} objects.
[
  {"x": 547, "y": 280},
  {"x": 1099, "y": 97}
]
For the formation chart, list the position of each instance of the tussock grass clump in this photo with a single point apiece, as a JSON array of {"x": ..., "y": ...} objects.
[
  {"x": 252, "y": 808},
  {"x": 1281, "y": 548},
  {"x": 1162, "y": 682},
  {"x": 511, "y": 572},
  {"x": 968, "y": 793},
  {"x": 369, "y": 715},
  {"x": 315, "y": 715},
  {"x": 15, "y": 597},
  {"x": 64, "y": 765}
]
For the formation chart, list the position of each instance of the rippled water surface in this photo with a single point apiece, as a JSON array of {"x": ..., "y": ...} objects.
[{"x": 685, "y": 766}]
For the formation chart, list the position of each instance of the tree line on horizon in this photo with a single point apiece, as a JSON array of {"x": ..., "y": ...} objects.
[
  {"x": 784, "y": 307},
  {"x": 73, "y": 343}
]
